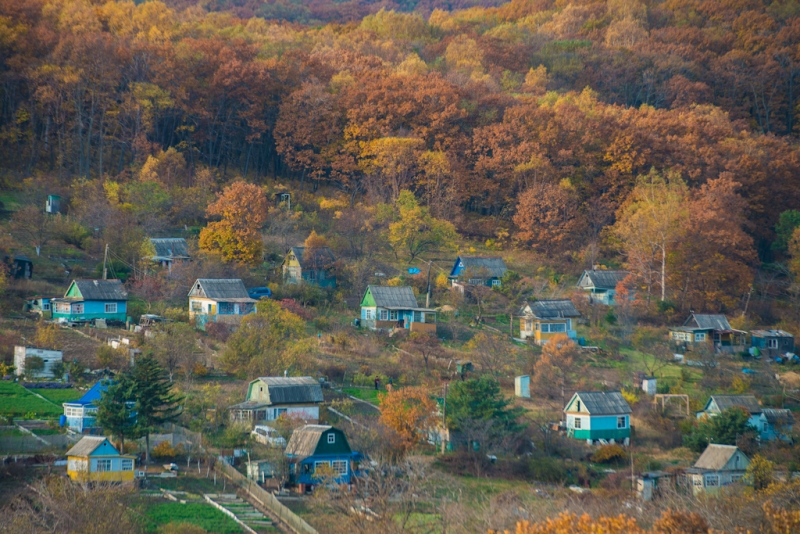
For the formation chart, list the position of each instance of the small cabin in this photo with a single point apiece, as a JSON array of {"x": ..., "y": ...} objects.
[
  {"x": 601, "y": 285},
  {"x": 312, "y": 266},
  {"x": 39, "y": 304},
  {"x": 89, "y": 300},
  {"x": 20, "y": 267},
  {"x": 598, "y": 416},
  {"x": 219, "y": 300},
  {"x": 269, "y": 397},
  {"x": 95, "y": 459},
  {"x": 712, "y": 330},
  {"x": 718, "y": 466},
  {"x": 772, "y": 343},
  {"x": 316, "y": 451},
  {"x": 389, "y": 307},
  {"x": 81, "y": 415},
  {"x": 49, "y": 358},
  {"x": 544, "y": 319},
  {"x": 477, "y": 271},
  {"x": 53, "y": 204},
  {"x": 169, "y": 250}
]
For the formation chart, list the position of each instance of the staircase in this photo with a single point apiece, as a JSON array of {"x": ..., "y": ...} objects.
[{"x": 241, "y": 511}]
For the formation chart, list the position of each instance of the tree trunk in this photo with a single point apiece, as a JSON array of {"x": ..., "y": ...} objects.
[
  {"x": 147, "y": 449},
  {"x": 663, "y": 273}
]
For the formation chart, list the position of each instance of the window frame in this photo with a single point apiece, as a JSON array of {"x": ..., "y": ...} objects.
[
  {"x": 110, "y": 307},
  {"x": 576, "y": 423},
  {"x": 331, "y": 438},
  {"x": 126, "y": 464},
  {"x": 701, "y": 336},
  {"x": 622, "y": 422},
  {"x": 78, "y": 307},
  {"x": 384, "y": 315},
  {"x": 340, "y": 467},
  {"x": 392, "y": 315},
  {"x": 711, "y": 481},
  {"x": 772, "y": 343},
  {"x": 104, "y": 465}
]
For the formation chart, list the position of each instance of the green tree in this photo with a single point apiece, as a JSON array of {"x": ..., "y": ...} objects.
[
  {"x": 155, "y": 402},
  {"x": 788, "y": 221},
  {"x": 115, "y": 410},
  {"x": 414, "y": 230},
  {"x": 722, "y": 429},
  {"x": 34, "y": 365},
  {"x": 481, "y": 399}
]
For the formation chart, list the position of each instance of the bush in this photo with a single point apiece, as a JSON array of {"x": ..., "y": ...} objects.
[
  {"x": 548, "y": 470},
  {"x": 218, "y": 331},
  {"x": 607, "y": 454},
  {"x": 164, "y": 450}
]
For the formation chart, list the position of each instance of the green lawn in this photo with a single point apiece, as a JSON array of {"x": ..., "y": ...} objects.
[
  {"x": 369, "y": 395},
  {"x": 17, "y": 401},
  {"x": 11, "y": 433},
  {"x": 59, "y": 395},
  {"x": 200, "y": 514}
]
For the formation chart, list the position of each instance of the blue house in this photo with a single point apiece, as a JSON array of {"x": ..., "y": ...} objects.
[
  {"x": 599, "y": 416},
  {"x": 316, "y": 451},
  {"x": 477, "y": 271},
  {"x": 601, "y": 285},
  {"x": 81, "y": 415},
  {"x": 772, "y": 343},
  {"x": 87, "y": 300}
]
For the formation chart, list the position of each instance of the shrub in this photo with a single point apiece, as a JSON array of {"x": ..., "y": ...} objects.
[
  {"x": 164, "y": 450},
  {"x": 548, "y": 470},
  {"x": 218, "y": 331},
  {"x": 607, "y": 454},
  {"x": 293, "y": 306}
]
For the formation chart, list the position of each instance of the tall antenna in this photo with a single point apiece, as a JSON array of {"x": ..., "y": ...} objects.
[{"x": 105, "y": 261}]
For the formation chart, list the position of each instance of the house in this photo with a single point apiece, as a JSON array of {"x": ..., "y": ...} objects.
[
  {"x": 269, "y": 397},
  {"x": 477, "y": 271},
  {"x": 49, "y": 357},
  {"x": 312, "y": 266},
  {"x": 649, "y": 483},
  {"x": 260, "y": 470},
  {"x": 314, "y": 446},
  {"x": 601, "y": 285},
  {"x": 779, "y": 423},
  {"x": 388, "y": 307},
  {"x": 95, "y": 459},
  {"x": 772, "y": 342},
  {"x": 544, "y": 319},
  {"x": 602, "y": 416},
  {"x": 39, "y": 304},
  {"x": 19, "y": 266},
  {"x": 81, "y": 415},
  {"x": 217, "y": 300},
  {"x": 87, "y": 300},
  {"x": 719, "y": 465},
  {"x": 169, "y": 250},
  {"x": 758, "y": 418},
  {"x": 713, "y": 330}
]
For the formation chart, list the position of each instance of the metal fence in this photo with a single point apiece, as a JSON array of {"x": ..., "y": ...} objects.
[{"x": 265, "y": 498}]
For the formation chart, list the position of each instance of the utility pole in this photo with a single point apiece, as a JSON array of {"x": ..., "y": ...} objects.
[
  {"x": 444, "y": 418},
  {"x": 428, "y": 296},
  {"x": 105, "y": 261}
]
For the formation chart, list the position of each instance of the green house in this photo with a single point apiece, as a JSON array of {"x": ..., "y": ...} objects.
[
  {"x": 88, "y": 300},
  {"x": 599, "y": 416}
]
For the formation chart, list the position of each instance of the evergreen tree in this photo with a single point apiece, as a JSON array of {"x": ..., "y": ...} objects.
[
  {"x": 481, "y": 399},
  {"x": 115, "y": 411},
  {"x": 722, "y": 429},
  {"x": 156, "y": 404}
]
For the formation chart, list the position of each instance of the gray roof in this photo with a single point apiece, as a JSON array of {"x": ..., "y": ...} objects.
[
  {"x": 494, "y": 265},
  {"x": 708, "y": 322},
  {"x": 552, "y": 309},
  {"x": 748, "y": 402},
  {"x": 229, "y": 289},
  {"x": 771, "y": 333},
  {"x": 603, "y": 402},
  {"x": 321, "y": 257},
  {"x": 393, "y": 297},
  {"x": 170, "y": 247},
  {"x": 304, "y": 440},
  {"x": 603, "y": 279},
  {"x": 780, "y": 416},
  {"x": 101, "y": 289},
  {"x": 715, "y": 457},
  {"x": 292, "y": 390},
  {"x": 86, "y": 446}
]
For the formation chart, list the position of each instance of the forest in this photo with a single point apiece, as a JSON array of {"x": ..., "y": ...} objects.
[{"x": 546, "y": 125}]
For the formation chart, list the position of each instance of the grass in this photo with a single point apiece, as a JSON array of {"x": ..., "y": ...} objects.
[
  {"x": 191, "y": 484},
  {"x": 202, "y": 515},
  {"x": 10, "y": 433},
  {"x": 369, "y": 395},
  {"x": 45, "y": 431},
  {"x": 17, "y": 401},
  {"x": 59, "y": 395}
]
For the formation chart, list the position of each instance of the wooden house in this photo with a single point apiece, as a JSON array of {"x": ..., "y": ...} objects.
[
  {"x": 88, "y": 300},
  {"x": 544, "y": 319},
  {"x": 601, "y": 285},
  {"x": 769, "y": 424},
  {"x": 49, "y": 358},
  {"x": 477, "y": 271},
  {"x": 40, "y": 304},
  {"x": 169, "y": 250},
  {"x": 772, "y": 343},
  {"x": 388, "y": 307},
  {"x": 598, "y": 416},
  {"x": 312, "y": 266},
  {"x": 269, "y": 397},
  {"x": 711, "y": 330},
  {"x": 778, "y": 424},
  {"x": 19, "y": 266},
  {"x": 216, "y": 300},
  {"x": 95, "y": 459},
  {"x": 81, "y": 415},
  {"x": 320, "y": 450},
  {"x": 718, "y": 466}
]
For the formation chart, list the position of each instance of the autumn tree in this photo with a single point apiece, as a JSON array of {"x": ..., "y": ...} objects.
[
  {"x": 175, "y": 348},
  {"x": 413, "y": 231},
  {"x": 409, "y": 411},
  {"x": 33, "y": 226},
  {"x": 242, "y": 208},
  {"x": 547, "y": 215},
  {"x": 551, "y": 370},
  {"x": 761, "y": 472},
  {"x": 425, "y": 345}
]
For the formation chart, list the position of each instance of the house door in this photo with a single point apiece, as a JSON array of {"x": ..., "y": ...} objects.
[
  {"x": 212, "y": 309},
  {"x": 236, "y": 309}
]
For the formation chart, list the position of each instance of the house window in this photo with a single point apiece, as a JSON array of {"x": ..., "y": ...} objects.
[
  {"x": 339, "y": 467},
  {"x": 736, "y": 478},
  {"x": 418, "y": 317},
  {"x": 475, "y": 281},
  {"x": 127, "y": 465},
  {"x": 772, "y": 343},
  {"x": 537, "y": 326},
  {"x": 392, "y": 315},
  {"x": 495, "y": 283},
  {"x": 578, "y": 405},
  {"x": 558, "y": 327},
  {"x": 45, "y": 307},
  {"x": 111, "y": 307},
  {"x": 528, "y": 325},
  {"x": 384, "y": 315},
  {"x": 766, "y": 427},
  {"x": 62, "y": 307},
  {"x": 77, "y": 308},
  {"x": 368, "y": 315},
  {"x": 312, "y": 275},
  {"x": 577, "y": 422},
  {"x": 712, "y": 481},
  {"x": 73, "y": 412},
  {"x": 331, "y": 438},
  {"x": 76, "y": 465},
  {"x": 103, "y": 466},
  {"x": 545, "y": 328},
  {"x": 621, "y": 422},
  {"x": 697, "y": 481},
  {"x": 700, "y": 336},
  {"x": 197, "y": 307}
]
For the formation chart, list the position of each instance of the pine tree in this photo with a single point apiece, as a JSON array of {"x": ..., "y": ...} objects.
[
  {"x": 156, "y": 404},
  {"x": 116, "y": 412}
]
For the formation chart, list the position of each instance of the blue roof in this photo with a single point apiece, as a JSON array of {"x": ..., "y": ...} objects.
[{"x": 93, "y": 395}]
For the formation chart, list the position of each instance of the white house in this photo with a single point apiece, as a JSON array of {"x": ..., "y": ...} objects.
[
  {"x": 718, "y": 466},
  {"x": 269, "y": 397},
  {"x": 49, "y": 357}
]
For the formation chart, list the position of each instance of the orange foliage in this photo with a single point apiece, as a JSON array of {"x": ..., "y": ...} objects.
[
  {"x": 243, "y": 208},
  {"x": 408, "y": 411}
]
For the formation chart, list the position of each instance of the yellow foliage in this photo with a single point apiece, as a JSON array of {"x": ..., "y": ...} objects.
[
  {"x": 463, "y": 54},
  {"x": 164, "y": 450},
  {"x": 412, "y": 65},
  {"x": 441, "y": 281},
  {"x": 333, "y": 203},
  {"x": 409, "y": 412},
  {"x": 630, "y": 396}
]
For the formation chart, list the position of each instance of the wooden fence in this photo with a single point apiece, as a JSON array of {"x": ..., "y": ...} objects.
[{"x": 265, "y": 498}]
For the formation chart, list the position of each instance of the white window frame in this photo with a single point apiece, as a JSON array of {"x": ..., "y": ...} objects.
[
  {"x": 556, "y": 328},
  {"x": 331, "y": 438},
  {"x": 384, "y": 315},
  {"x": 697, "y": 481},
  {"x": 196, "y": 306},
  {"x": 712, "y": 481},
  {"x": 111, "y": 307},
  {"x": 700, "y": 336},
  {"x": 127, "y": 464},
  {"x": 772, "y": 343},
  {"x": 495, "y": 282},
  {"x": 622, "y": 422},
  {"x": 104, "y": 465},
  {"x": 78, "y": 308},
  {"x": 392, "y": 315},
  {"x": 339, "y": 467},
  {"x": 576, "y": 423},
  {"x": 46, "y": 306}
]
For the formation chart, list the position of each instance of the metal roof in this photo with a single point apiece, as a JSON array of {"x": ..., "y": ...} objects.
[
  {"x": 321, "y": 257},
  {"x": 86, "y": 445},
  {"x": 100, "y": 290},
  {"x": 292, "y": 390},
  {"x": 401, "y": 297},
  {"x": 225, "y": 289},
  {"x": 748, "y": 402},
  {"x": 552, "y": 309},
  {"x": 779, "y": 416},
  {"x": 93, "y": 395},
  {"x": 708, "y": 321},
  {"x": 494, "y": 265},
  {"x": 715, "y": 457},
  {"x": 170, "y": 247},
  {"x": 602, "y": 279},
  {"x": 304, "y": 441},
  {"x": 603, "y": 402},
  {"x": 771, "y": 333}
]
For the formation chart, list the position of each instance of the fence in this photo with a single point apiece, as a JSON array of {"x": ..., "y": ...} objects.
[
  {"x": 31, "y": 444},
  {"x": 265, "y": 498}
]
